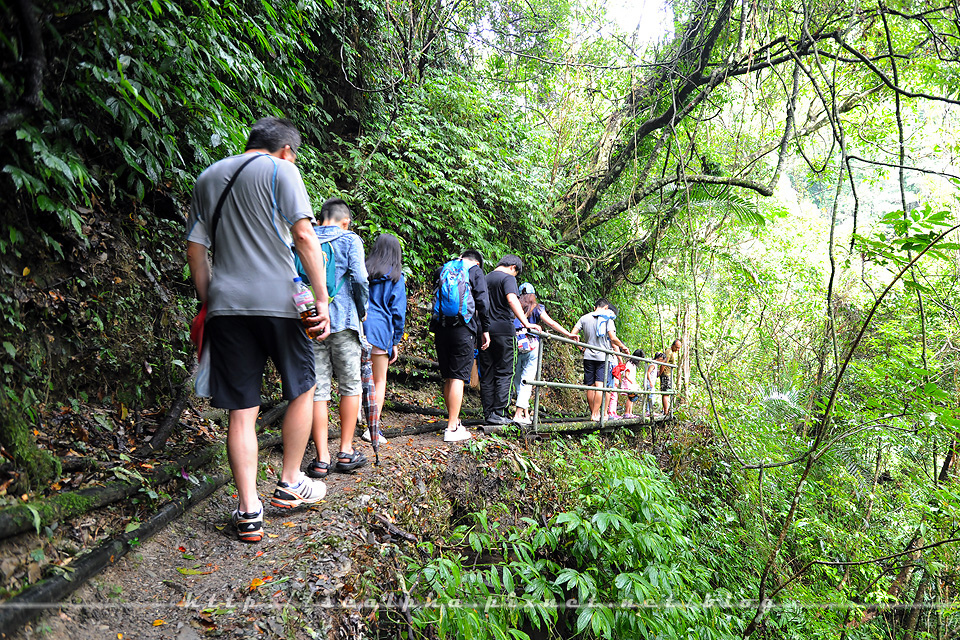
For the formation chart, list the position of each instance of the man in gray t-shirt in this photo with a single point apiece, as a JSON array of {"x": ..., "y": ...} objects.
[
  {"x": 598, "y": 331},
  {"x": 245, "y": 211}
]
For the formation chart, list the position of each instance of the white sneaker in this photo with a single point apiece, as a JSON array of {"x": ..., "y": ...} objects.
[
  {"x": 523, "y": 421},
  {"x": 456, "y": 435},
  {"x": 381, "y": 439},
  {"x": 307, "y": 492}
]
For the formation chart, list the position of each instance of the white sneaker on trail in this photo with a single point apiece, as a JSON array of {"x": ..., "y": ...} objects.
[
  {"x": 456, "y": 435},
  {"x": 249, "y": 525},
  {"x": 381, "y": 439},
  {"x": 307, "y": 492}
]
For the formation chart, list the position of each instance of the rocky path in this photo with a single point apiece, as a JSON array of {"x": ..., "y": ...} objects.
[{"x": 194, "y": 579}]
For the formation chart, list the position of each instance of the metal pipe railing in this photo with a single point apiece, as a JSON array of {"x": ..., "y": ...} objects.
[
  {"x": 576, "y": 343},
  {"x": 585, "y": 387},
  {"x": 537, "y": 383}
]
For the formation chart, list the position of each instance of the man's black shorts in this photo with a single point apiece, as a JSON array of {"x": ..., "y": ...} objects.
[
  {"x": 239, "y": 348},
  {"x": 594, "y": 371},
  {"x": 665, "y": 383},
  {"x": 455, "y": 347}
]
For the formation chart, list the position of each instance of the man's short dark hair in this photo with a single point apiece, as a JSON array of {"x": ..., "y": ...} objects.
[
  {"x": 473, "y": 254},
  {"x": 510, "y": 260},
  {"x": 601, "y": 303},
  {"x": 334, "y": 210},
  {"x": 273, "y": 134}
]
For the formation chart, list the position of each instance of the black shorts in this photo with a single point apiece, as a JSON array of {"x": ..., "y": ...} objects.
[
  {"x": 594, "y": 371},
  {"x": 455, "y": 347},
  {"x": 239, "y": 348},
  {"x": 665, "y": 383}
]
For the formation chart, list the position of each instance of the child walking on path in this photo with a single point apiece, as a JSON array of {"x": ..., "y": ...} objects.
[
  {"x": 527, "y": 347},
  {"x": 630, "y": 383},
  {"x": 386, "y": 316},
  {"x": 340, "y": 353},
  {"x": 649, "y": 382}
]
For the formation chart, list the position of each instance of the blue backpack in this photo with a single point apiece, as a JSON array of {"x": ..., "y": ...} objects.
[
  {"x": 453, "y": 301},
  {"x": 330, "y": 265}
]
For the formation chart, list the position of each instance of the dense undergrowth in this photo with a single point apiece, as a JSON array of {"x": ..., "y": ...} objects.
[{"x": 628, "y": 536}]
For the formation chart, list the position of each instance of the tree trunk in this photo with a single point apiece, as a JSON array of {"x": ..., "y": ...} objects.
[
  {"x": 947, "y": 461},
  {"x": 898, "y": 584},
  {"x": 910, "y": 626}
]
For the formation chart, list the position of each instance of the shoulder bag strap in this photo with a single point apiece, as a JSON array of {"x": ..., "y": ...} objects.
[{"x": 215, "y": 219}]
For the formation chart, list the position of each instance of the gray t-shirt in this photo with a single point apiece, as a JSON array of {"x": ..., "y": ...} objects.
[
  {"x": 253, "y": 267},
  {"x": 586, "y": 328}
]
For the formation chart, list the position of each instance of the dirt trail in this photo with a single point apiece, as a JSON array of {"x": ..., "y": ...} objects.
[{"x": 194, "y": 579}]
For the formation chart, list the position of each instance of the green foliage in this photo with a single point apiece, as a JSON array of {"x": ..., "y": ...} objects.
[
  {"x": 455, "y": 169},
  {"x": 141, "y": 94},
  {"x": 619, "y": 565}
]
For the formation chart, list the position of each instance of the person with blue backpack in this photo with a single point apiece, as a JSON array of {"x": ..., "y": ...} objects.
[
  {"x": 459, "y": 319},
  {"x": 339, "y": 354}
]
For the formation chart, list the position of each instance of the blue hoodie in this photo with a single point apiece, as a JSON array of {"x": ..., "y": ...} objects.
[
  {"x": 387, "y": 312},
  {"x": 351, "y": 270}
]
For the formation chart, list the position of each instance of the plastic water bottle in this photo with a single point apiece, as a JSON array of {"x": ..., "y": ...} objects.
[{"x": 306, "y": 304}]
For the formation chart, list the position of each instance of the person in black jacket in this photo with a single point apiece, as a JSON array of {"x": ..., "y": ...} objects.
[
  {"x": 498, "y": 363},
  {"x": 456, "y": 342}
]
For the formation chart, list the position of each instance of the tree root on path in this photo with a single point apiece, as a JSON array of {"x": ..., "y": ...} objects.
[
  {"x": 25, "y": 517},
  {"x": 401, "y": 407},
  {"x": 46, "y": 595}
]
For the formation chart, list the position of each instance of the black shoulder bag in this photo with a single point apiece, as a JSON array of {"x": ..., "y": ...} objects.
[{"x": 215, "y": 219}]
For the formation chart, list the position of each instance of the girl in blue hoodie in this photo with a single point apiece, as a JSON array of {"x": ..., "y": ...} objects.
[{"x": 386, "y": 313}]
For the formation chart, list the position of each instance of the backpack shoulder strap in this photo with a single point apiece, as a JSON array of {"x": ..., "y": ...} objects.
[
  {"x": 218, "y": 210},
  {"x": 327, "y": 252}
]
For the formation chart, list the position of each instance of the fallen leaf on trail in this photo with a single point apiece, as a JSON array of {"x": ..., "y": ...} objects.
[
  {"x": 258, "y": 554},
  {"x": 26, "y": 271},
  {"x": 206, "y": 623},
  {"x": 159, "y": 622},
  {"x": 195, "y": 572},
  {"x": 182, "y": 549},
  {"x": 273, "y": 535},
  {"x": 256, "y": 582},
  {"x": 289, "y": 524}
]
